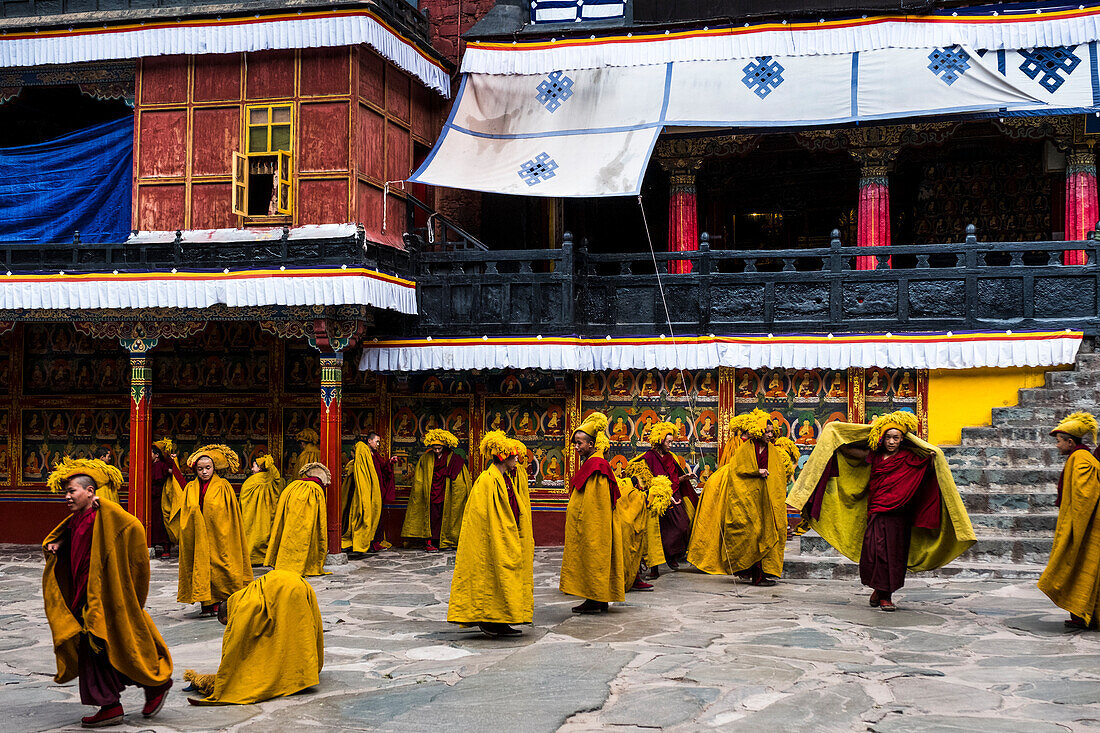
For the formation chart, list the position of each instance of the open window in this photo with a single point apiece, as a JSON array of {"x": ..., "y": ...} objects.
[{"x": 262, "y": 175}]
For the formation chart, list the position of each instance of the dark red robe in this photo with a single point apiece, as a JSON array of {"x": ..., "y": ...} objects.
[
  {"x": 674, "y": 523},
  {"x": 590, "y": 468}
]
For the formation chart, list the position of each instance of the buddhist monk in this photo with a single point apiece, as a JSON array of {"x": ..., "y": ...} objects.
[
  {"x": 213, "y": 562},
  {"x": 383, "y": 466},
  {"x": 94, "y": 587},
  {"x": 440, "y": 485},
  {"x": 756, "y": 530},
  {"x": 592, "y": 560},
  {"x": 1072, "y": 576},
  {"x": 111, "y": 489},
  {"x": 299, "y": 539},
  {"x": 632, "y": 510},
  {"x": 259, "y": 498},
  {"x": 669, "y": 533},
  {"x": 372, "y": 481},
  {"x": 885, "y": 499},
  {"x": 273, "y": 643},
  {"x": 493, "y": 582},
  {"x": 166, "y": 494},
  {"x": 311, "y": 450}
]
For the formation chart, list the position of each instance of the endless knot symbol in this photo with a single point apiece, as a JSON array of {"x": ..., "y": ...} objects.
[
  {"x": 762, "y": 76},
  {"x": 542, "y": 168},
  {"x": 1050, "y": 63},
  {"x": 949, "y": 64},
  {"x": 553, "y": 90}
]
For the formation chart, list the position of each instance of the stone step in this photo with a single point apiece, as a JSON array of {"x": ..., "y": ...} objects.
[
  {"x": 1028, "y": 549},
  {"x": 1008, "y": 456},
  {"x": 981, "y": 502},
  {"x": 1014, "y": 524},
  {"x": 1031, "y": 417},
  {"x": 1070, "y": 398},
  {"x": 841, "y": 568},
  {"x": 1028, "y": 436},
  {"x": 993, "y": 476},
  {"x": 1080, "y": 377}
]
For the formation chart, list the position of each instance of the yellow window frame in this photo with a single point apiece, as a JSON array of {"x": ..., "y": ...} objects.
[{"x": 269, "y": 126}]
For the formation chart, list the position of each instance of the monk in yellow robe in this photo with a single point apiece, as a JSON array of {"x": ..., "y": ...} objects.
[
  {"x": 299, "y": 540},
  {"x": 493, "y": 582},
  {"x": 213, "y": 561},
  {"x": 259, "y": 497},
  {"x": 885, "y": 499},
  {"x": 592, "y": 560},
  {"x": 311, "y": 450},
  {"x": 632, "y": 510},
  {"x": 94, "y": 587},
  {"x": 166, "y": 490},
  {"x": 273, "y": 643},
  {"x": 361, "y": 510},
  {"x": 668, "y": 532},
  {"x": 441, "y": 483},
  {"x": 1072, "y": 576}
]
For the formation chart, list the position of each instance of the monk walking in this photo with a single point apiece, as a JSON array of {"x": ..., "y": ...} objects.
[
  {"x": 883, "y": 498},
  {"x": 213, "y": 561},
  {"x": 668, "y": 533},
  {"x": 299, "y": 540},
  {"x": 165, "y": 493},
  {"x": 259, "y": 498},
  {"x": 592, "y": 560},
  {"x": 1072, "y": 576},
  {"x": 372, "y": 484},
  {"x": 440, "y": 485},
  {"x": 493, "y": 582},
  {"x": 94, "y": 586}
]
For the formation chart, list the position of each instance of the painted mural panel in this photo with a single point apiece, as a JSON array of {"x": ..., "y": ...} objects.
[
  {"x": 60, "y": 361},
  {"x": 533, "y": 406},
  {"x": 415, "y": 414},
  {"x": 245, "y": 429},
  {"x": 887, "y": 390},
  {"x": 5, "y": 449},
  {"x": 225, "y": 358},
  {"x": 50, "y": 433},
  {"x": 802, "y": 401},
  {"x": 356, "y": 423},
  {"x": 634, "y": 400},
  {"x": 301, "y": 369}
]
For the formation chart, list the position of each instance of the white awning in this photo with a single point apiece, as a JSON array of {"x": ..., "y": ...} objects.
[
  {"x": 305, "y": 29},
  {"x": 201, "y": 289},
  {"x": 810, "y": 351}
]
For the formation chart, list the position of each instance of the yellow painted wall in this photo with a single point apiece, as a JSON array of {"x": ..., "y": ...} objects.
[{"x": 966, "y": 397}]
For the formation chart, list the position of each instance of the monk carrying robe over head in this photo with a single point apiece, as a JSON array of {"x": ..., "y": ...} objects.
[
  {"x": 94, "y": 586},
  {"x": 1072, "y": 576},
  {"x": 667, "y": 534},
  {"x": 273, "y": 643},
  {"x": 213, "y": 555},
  {"x": 299, "y": 538},
  {"x": 493, "y": 582},
  {"x": 167, "y": 497},
  {"x": 438, "y": 496},
  {"x": 885, "y": 499},
  {"x": 592, "y": 560},
  {"x": 259, "y": 498}
]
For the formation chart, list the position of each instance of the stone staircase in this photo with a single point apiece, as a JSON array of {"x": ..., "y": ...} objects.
[{"x": 1007, "y": 475}]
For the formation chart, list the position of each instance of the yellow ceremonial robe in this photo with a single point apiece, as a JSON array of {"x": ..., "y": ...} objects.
[
  {"x": 592, "y": 560},
  {"x": 364, "y": 502},
  {"x": 213, "y": 556},
  {"x": 493, "y": 580},
  {"x": 653, "y": 549},
  {"x": 273, "y": 644},
  {"x": 259, "y": 497},
  {"x": 417, "y": 519},
  {"x": 755, "y": 526},
  {"x": 707, "y": 549},
  {"x": 298, "y": 536},
  {"x": 118, "y": 585},
  {"x": 107, "y": 493},
  {"x": 171, "y": 505},
  {"x": 633, "y": 514},
  {"x": 1072, "y": 576},
  {"x": 311, "y": 453},
  {"x": 843, "y": 517}
]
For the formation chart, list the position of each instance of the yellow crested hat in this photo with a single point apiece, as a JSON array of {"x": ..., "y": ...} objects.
[
  {"x": 519, "y": 449},
  {"x": 901, "y": 420},
  {"x": 497, "y": 445},
  {"x": 165, "y": 446},
  {"x": 1079, "y": 424},
  {"x": 594, "y": 424},
  {"x": 439, "y": 436},
  {"x": 658, "y": 431},
  {"x": 104, "y": 474},
  {"x": 309, "y": 435},
  {"x": 756, "y": 422},
  {"x": 265, "y": 462},
  {"x": 784, "y": 443},
  {"x": 738, "y": 423},
  {"x": 316, "y": 470},
  {"x": 223, "y": 457}
]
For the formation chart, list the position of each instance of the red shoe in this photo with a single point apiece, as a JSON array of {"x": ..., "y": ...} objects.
[
  {"x": 376, "y": 547},
  {"x": 640, "y": 584},
  {"x": 429, "y": 547},
  {"x": 107, "y": 715},
  {"x": 154, "y": 699}
]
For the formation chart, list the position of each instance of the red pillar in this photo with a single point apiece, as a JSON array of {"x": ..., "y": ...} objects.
[
  {"x": 1082, "y": 209},
  {"x": 332, "y": 368},
  {"x": 873, "y": 213},
  {"x": 683, "y": 218},
  {"x": 141, "y": 441}
]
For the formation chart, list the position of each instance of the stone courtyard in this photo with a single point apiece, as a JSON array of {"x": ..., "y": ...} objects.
[{"x": 698, "y": 653}]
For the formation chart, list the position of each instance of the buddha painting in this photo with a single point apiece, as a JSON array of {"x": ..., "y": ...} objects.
[
  {"x": 707, "y": 386},
  {"x": 620, "y": 431},
  {"x": 497, "y": 422},
  {"x": 775, "y": 386},
  {"x": 806, "y": 434},
  {"x": 554, "y": 427},
  {"x": 681, "y": 429},
  {"x": 905, "y": 386},
  {"x": 551, "y": 469},
  {"x": 406, "y": 425},
  {"x": 676, "y": 384},
  {"x": 591, "y": 386},
  {"x": 619, "y": 387},
  {"x": 745, "y": 385},
  {"x": 876, "y": 383},
  {"x": 838, "y": 387},
  {"x": 649, "y": 386},
  {"x": 706, "y": 430},
  {"x": 526, "y": 425},
  {"x": 805, "y": 386}
]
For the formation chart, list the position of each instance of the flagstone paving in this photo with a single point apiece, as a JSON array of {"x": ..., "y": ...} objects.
[{"x": 699, "y": 653}]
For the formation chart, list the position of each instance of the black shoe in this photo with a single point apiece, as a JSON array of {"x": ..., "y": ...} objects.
[
  {"x": 489, "y": 629},
  {"x": 591, "y": 607},
  {"x": 502, "y": 629}
]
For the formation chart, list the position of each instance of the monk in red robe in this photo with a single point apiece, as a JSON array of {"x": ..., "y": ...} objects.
[
  {"x": 388, "y": 487},
  {"x": 675, "y": 523},
  {"x": 163, "y": 469}
]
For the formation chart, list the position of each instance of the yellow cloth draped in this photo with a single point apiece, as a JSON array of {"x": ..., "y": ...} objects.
[
  {"x": 364, "y": 497},
  {"x": 171, "y": 503},
  {"x": 844, "y": 508},
  {"x": 592, "y": 561},
  {"x": 1072, "y": 576},
  {"x": 633, "y": 522},
  {"x": 653, "y": 549},
  {"x": 311, "y": 453},
  {"x": 118, "y": 585},
  {"x": 706, "y": 549},
  {"x": 298, "y": 535},
  {"x": 755, "y": 526},
  {"x": 729, "y": 449},
  {"x": 213, "y": 557},
  {"x": 417, "y": 519},
  {"x": 106, "y": 492},
  {"x": 259, "y": 497},
  {"x": 494, "y": 567},
  {"x": 273, "y": 644}
]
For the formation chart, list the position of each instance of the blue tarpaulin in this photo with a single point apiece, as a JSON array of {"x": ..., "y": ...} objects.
[{"x": 79, "y": 182}]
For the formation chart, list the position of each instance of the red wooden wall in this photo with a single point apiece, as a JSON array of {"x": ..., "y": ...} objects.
[{"x": 357, "y": 118}]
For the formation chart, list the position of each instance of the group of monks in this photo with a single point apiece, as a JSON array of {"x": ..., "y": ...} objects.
[{"x": 877, "y": 493}]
